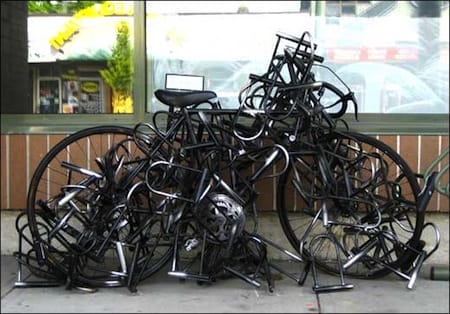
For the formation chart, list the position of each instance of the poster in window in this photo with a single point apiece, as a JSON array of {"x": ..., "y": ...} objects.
[
  {"x": 91, "y": 96},
  {"x": 49, "y": 95},
  {"x": 71, "y": 96}
]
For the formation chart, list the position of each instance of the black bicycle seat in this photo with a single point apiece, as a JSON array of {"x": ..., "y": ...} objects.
[{"x": 183, "y": 98}]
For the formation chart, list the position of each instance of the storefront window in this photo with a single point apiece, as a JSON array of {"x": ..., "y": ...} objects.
[
  {"x": 393, "y": 54},
  {"x": 71, "y": 45}
]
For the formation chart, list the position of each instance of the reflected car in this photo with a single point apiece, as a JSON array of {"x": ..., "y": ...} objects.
[
  {"x": 435, "y": 74},
  {"x": 226, "y": 78},
  {"x": 387, "y": 88}
]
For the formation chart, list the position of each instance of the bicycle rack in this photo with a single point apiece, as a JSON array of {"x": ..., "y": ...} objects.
[
  {"x": 301, "y": 277},
  {"x": 23, "y": 280},
  {"x": 439, "y": 272},
  {"x": 317, "y": 287},
  {"x": 419, "y": 255},
  {"x": 235, "y": 251}
]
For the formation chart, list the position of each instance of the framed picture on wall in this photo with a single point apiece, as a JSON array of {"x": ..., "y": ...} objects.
[{"x": 49, "y": 95}]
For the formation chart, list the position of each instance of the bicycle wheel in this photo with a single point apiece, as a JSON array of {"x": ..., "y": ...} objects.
[
  {"x": 355, "y": 194},
  {"x": 81, "y": 211}
]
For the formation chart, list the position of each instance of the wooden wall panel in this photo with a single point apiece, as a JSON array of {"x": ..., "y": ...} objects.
[
  {"x": 17, "y": 171},
  {"x": 429, "y": 150},
  {"x": 390, "y": 140},
  {"x": 55, "y": 139},
  {"x": 38, "y": 147},
  {"x": 4, "y": 172},
  {"x": 443, "y": 200},
  {"x": 20, "y": 154},
  {"x": 265, "y": 200},
  {"x": 408, "y": 149}
]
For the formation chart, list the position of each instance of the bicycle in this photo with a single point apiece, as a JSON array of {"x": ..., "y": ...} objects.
[{"x": 184, "y": 191}]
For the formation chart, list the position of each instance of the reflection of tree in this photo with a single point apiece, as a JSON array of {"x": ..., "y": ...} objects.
[
  {"x": 58, "y": 7},
  {"x": 119, "y": 72},
  {"x": 434, "y": 72},
  {"x": 429, "y": 68},
  {"x": 429, "y": 28}
]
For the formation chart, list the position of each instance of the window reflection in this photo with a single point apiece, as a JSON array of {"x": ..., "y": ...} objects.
[
  {"x": 71, "y": 42},
  {"x": 392, "y": 56}
]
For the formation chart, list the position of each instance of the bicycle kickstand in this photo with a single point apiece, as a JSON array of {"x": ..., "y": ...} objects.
[{"x": 24, "y": 259}]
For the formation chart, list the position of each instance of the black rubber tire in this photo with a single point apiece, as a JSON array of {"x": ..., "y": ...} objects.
[
  {"x": 296, "y": 212},
  {"x": 46, "y": 187}
]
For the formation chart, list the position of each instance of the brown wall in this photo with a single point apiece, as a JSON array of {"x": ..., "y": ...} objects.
[{"x": 20, "y": 154}]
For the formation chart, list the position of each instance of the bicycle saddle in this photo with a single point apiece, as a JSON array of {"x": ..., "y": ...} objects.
[{"x": 178, "y": 98}]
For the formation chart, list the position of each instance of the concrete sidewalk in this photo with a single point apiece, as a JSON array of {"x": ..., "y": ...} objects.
[{"x": 162, "y": 294}]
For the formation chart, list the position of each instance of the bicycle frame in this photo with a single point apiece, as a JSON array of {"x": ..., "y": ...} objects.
[{"x": 188, "y": 195}]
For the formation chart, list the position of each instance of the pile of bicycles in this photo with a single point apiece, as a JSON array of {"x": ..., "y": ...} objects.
[{"x": 111, "y": 206}]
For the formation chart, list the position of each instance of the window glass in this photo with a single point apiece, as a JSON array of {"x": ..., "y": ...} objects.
[
  {"x": 49, "y": 94},
  {"x": 333, "y": 8},
  {"x": 75, "y": 47},
  {"x": 348, "y": 9},
  {"x": 224, "y": 41},
  {"x": 392, "y": 55}
]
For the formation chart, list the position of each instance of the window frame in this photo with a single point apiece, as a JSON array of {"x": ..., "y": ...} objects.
[{"x": 63, "y": 123}]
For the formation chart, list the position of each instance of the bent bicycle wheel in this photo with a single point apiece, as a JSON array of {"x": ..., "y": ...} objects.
[
  {"x": 80, "y": 209},
  {"x": 351, "y": 206}
]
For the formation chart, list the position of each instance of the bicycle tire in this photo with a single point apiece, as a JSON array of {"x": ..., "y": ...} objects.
[
  {"x": 297, "y": 209},
  {"x": 71, "y": 236}
]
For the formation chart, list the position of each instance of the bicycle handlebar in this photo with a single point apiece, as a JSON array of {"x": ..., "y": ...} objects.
[{"x": 297, "y": 40}]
